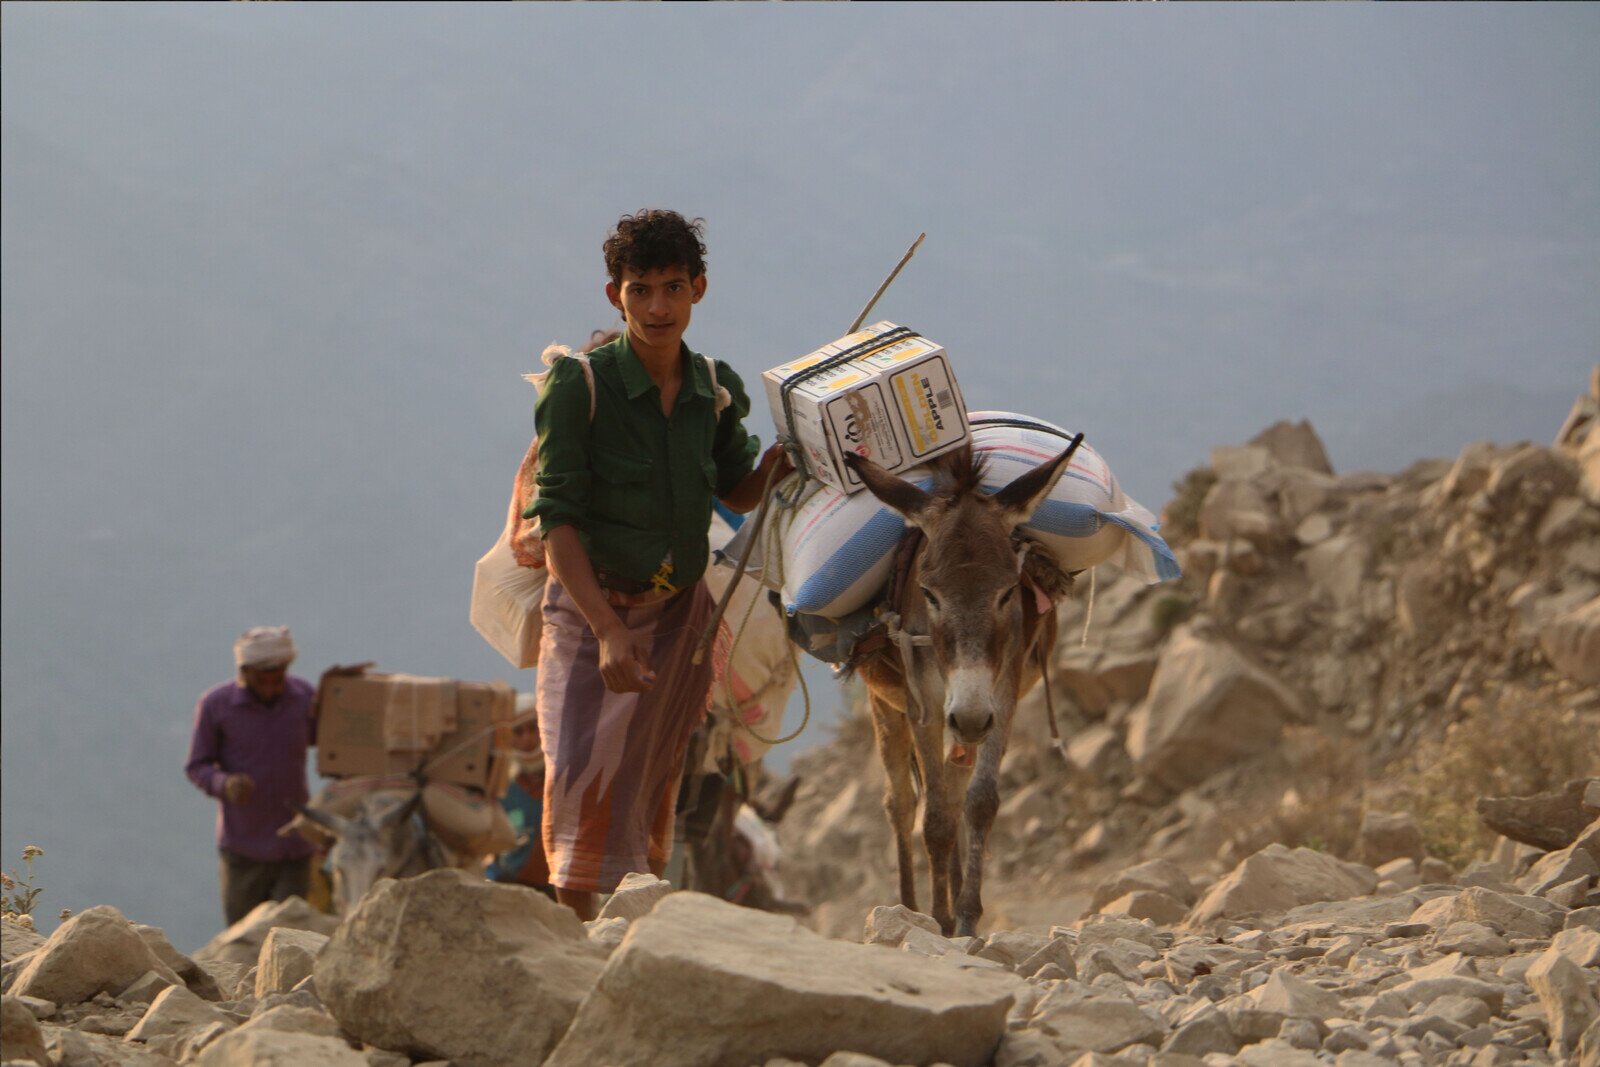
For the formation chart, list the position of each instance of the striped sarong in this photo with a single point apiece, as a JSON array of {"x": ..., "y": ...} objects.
[{"x": 614, "y": 759}]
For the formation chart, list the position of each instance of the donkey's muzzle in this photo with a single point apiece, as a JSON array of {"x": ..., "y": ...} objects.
[{"x": 960, "y": 726}]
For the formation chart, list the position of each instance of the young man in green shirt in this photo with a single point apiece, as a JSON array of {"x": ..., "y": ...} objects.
[{"x": 633, "y": 449}]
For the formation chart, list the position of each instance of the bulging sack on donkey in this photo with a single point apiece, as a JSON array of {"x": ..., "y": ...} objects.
[{"x": 835, "y": 551}]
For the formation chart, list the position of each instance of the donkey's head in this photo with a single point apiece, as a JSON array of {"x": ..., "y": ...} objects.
[
  {"x": 970, "y": 579},
  {"x": 375, "y": 844}
]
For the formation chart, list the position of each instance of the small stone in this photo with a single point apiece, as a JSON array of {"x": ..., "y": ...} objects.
[
  {"x": 1057, "y": 952},
  {"x": 1437, "y": 872},
  {"x": 888, "y": 925},
  {"x": 145, "y": 989},
  {"x": 1345, "y": 1038},
  {"x": 1301, "y": 1033},
  {"x": 635, "y": 896},
  {"x": 1471, "y": 939},
  {"x": 607, "y": 933}
]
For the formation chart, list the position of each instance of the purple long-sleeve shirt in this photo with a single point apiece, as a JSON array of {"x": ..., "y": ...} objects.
[{"x": 234, "y": 733}]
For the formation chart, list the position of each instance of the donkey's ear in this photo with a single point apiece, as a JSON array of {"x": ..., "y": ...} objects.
[
  {"x": 1018, "y": 500},
  {"x": 901, "y": 495},
  {"x": 333, "y": 824}
]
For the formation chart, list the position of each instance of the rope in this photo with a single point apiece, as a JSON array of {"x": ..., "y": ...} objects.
[
  {"x": 1088, "y": 613},
  {"x": 772, "y": 556}
]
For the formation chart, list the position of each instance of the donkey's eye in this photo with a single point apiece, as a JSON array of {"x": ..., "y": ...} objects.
[
  {"x": 933, "y": 598},
  {"x": 1006, "y": 597}
]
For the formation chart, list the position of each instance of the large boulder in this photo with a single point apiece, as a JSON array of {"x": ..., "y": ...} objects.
[
  {"x": 1154, "y": 876},
  {"x": 279, "y": 1048},
  {"x": 1549, "y": 821},
  {"x": 1567, "y": 996},
  {"x": 703, "y": 983},
  {"x": 95, "y": 951},
  {"x": 241, "y": 942},
  {"x": 1279, "y": 878},
  {"x": 1514, "y": 915},
  {"x": 1389, "y": 836},
  {"x": 1571, "y": 642},
  {"x": 1294, "y": 444},
  {"x": 448, "y": 966},
  {"x": 1207, "y": 707},
  {"x": 19, "y": 1034}
]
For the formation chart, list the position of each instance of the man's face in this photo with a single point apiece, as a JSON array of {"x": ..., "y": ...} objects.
[
  {"x": 267, "y": 683},
  {"x": 656, "y": 305}
]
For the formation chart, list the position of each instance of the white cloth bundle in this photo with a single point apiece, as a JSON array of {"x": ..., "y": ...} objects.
[{"x": 264, "y": 646}]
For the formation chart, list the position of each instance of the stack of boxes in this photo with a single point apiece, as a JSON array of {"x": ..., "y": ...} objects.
[{"x": 885, "y": 393}]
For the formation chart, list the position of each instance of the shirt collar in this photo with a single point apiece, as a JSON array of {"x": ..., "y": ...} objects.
[{"x": 637, "y": 381}]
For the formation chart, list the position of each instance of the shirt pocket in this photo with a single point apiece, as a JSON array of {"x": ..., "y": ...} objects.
[
  {"x": 623, "y": 491},
  {"x": 613, "y": 466}
]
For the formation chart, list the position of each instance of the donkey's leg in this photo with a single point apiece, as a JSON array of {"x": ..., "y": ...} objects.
[
  {"x": 957, "y": 775},
  {"x": 982, "y": 801},
  {"x": 939, "y": 818},
  {"x": 893, "y": 734}
]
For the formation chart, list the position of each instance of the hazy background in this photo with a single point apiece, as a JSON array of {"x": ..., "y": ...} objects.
[{"x": 272, "y": 272}]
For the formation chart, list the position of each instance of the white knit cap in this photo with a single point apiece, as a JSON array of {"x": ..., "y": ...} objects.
[{"x": 264, "y": 646}]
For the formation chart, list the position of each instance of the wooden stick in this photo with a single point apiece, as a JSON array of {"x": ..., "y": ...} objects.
[{"x": 892, "y": 274}]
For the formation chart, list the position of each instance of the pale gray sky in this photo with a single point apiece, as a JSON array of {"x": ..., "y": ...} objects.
[{"x": 271, "y": 273}]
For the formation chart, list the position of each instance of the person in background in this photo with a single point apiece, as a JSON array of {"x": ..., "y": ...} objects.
[
  {"x": 524, "y": 804},
  {"x": 249, "y": 752}
]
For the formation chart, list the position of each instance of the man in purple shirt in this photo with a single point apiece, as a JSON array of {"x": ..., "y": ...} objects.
[{"x": 249, "y": 751}]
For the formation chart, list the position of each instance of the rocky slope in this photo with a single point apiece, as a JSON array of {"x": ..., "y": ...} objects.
[
  {"x": 1339, "y": 645},
  {"x": 1148, "y": 903},
  {"x": 1295, "y": 957}
]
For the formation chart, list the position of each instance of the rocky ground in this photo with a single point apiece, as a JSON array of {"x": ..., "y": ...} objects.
[
  {"x": 1251, "y": 848},
  {"x": 1294, "y": 957}
]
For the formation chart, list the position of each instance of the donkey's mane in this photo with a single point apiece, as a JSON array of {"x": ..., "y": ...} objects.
[{"x": 961, "y": 472}]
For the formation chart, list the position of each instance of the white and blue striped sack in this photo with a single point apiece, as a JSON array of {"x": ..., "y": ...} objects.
[{"x": 837, "y": 549}]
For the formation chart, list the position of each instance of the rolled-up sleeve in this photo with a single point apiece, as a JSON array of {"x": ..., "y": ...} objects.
[
  {"x": 733, "y": 448},
  {"x": 561, "y": 420}
]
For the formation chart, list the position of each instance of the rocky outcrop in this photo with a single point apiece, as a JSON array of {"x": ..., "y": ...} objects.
[
  {"x": 1207, "y": 708},
  {"x": 1548, "y": 821}
]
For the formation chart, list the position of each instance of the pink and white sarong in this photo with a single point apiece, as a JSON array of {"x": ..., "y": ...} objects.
[{"x": 615, "y": 759}]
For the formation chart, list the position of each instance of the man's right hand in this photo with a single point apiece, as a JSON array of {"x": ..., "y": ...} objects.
[
  {"x": 238, "y": 789},
  {"x": 625, "y": 662}
]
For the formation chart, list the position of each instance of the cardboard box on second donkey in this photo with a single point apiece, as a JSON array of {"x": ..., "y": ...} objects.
[
  {"x": 378, "y": 724},
  {"x": 885, "y": 393}
]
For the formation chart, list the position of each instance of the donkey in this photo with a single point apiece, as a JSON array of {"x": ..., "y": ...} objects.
[
  {"x": 386, "y": 839},
  {"x": 980, "y": 608}
]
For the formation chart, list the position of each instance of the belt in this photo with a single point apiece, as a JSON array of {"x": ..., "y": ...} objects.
[{"x": 616, "y": 583}]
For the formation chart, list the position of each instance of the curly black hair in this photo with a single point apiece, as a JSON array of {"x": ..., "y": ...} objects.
[{"x": 655, "y": 239}]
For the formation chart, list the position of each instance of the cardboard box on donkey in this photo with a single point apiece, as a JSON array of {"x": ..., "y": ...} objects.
[
  {"x": 884, "y": 392},
  {"x": 379, "y": 724}
]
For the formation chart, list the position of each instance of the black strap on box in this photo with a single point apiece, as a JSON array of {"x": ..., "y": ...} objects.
[{"x": 883, "y": 340}]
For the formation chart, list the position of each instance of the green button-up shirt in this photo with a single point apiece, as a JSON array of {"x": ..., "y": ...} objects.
[{"x": 636, "y": 484}]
